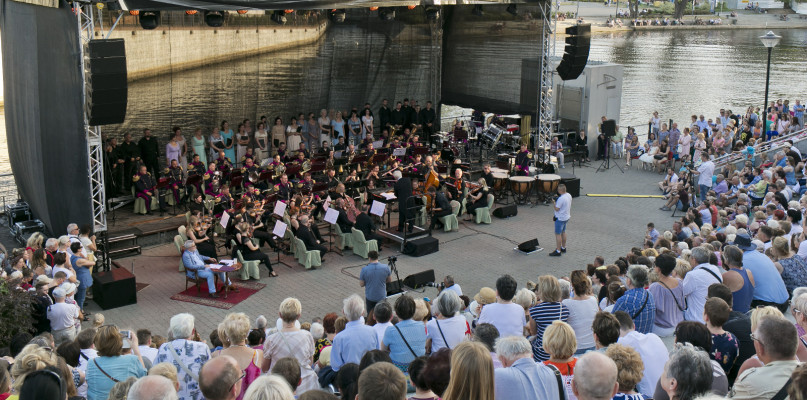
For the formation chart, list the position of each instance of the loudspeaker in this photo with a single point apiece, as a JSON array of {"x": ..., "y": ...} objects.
[
  {"x": 393, "y": 288},
  {"x": 528, "y": 246},
  {"x": 510, "y": 210},
  {"x": 421, "y": 247},
  {"x": 578, "y": 43},
  {"x": 608, "y": 128},
  {"x": 114, "y": 288},
  {"x": 572, "y": 183},
  {"x": 106, "y": 80},
  {"x": 419, "y": 279}
]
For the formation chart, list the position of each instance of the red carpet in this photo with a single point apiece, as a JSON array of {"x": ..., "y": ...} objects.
[{"x": 246, "y": 289}]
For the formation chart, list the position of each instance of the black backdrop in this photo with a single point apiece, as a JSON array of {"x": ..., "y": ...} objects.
[{"x": 42, "y": 89}]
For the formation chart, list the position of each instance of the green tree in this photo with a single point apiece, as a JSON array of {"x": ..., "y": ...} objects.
[
  {"x": 680, "y": 8},
  {"x": 16, "y": 313}
]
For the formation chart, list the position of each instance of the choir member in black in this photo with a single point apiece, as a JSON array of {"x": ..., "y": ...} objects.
[
  {"x": 477, "y": 198},
  {"x": 523, "y": 161},
  {"x": 174, "y": 175},
  {"x": 397, "y": 117},
  {"x": 427, "y": 118},
  {"x": 130, "y": 152},
  {"x": 441, "y": 207},
  {"x": 403, "y": 191},
  {"x": 342, "y": 220},
  {"x": 146, "y": 187},
  {"x": 304, "y": 233},
  {"x": 487, "y": 174},
  {"x": 283, "y": 189},
  {"x": 198, "y": 234},
  {"x": 113, "y": 168},
  {"x": 384, "y": 114},
  {"x": 364, "y": 223},
  {"x": 196, "y": 168},
  {"x": 197, "y": 205},
  {"x": 250, "y": 251},
  {"x": 150, "y": 152},
  {"x": 384, "y": 137},
  {"x": 581, "y": 144},
  {"x": 408, "y": 113},
  {"x": 340, "y": 144}
]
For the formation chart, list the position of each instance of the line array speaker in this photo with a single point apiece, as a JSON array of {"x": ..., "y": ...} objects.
[
  {"x": 575, "y": 57},
  {"x": 106, "y": 81}
]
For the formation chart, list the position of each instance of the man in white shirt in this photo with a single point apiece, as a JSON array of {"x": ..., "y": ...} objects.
[
  {"x": 448, "y": 281},
  {"x": 650, "y": 348},
  {"x": 505, "y": 315},
  {"x": 563, "y": 207},
  {"x": 696, "y": 283},
  {"x": 144, "y": 340},
  {"x": 705, "y": 172},
  {"x": 62, "y": 318}
]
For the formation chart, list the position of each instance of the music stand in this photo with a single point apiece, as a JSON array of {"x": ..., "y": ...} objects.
[{"x": 608, "y": 129}]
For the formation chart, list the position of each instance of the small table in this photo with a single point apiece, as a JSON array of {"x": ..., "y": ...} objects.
[{"x": 235, "y": 267}]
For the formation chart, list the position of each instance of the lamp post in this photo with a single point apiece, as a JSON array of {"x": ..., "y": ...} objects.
[{"x": 769, "y": 40}]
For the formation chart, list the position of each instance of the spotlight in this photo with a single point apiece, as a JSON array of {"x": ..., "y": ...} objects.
[
  {"x": 214, "y": 19},
  {"x": 337, "y": 15},
  {"x": 134, "y": 12},
  {"x": 478, "y": 11},
  {"x": 149, "y": 19},
  {"x": 512, "y": 9},
  {"x": 411, "y": 7},
  {"x": 386, "y": 13},
  {"x": 432, "y": 13},
  {"x": 191, "y": 12},
  {"x": 242, "y": 11},
  {"x": 279, "y": 17}
]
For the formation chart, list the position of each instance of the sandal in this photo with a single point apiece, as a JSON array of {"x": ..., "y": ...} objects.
[{"x": 273, "y": 274}]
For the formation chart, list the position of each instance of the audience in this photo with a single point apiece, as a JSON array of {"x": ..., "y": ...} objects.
[
  {"x": 650, "y": 349},
  {"x": 775, "y": 341},
  {"x": 687, "y": 373},
  {"x": 471, "y": 372},
  {"x": 630, "y": 367},
  {"x": 595, "y": 377}
]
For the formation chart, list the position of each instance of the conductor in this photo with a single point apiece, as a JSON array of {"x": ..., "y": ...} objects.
[{"x": 403, "y": 191}]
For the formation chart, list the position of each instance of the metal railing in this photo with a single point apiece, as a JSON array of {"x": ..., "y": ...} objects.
[
  {"x": 8, "y": 189},
  {"x": 762, "y": 148},
  {"x": 179, "y": 19}
]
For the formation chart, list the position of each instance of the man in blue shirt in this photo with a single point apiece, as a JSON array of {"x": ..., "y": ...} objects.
[
  {"x": 350, "y": 345},
  {"x": 521, "y": 377},
  {"x": 770, "y": 288},
  {"x": 196, "y": 262},
  {"x": 373, "y": 278},
  {"x": 637, "y": 301}
]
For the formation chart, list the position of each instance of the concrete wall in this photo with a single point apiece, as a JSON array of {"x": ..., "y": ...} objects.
[
  {"x": 799, "y": 8},
  {"x": 155, "y": 52}
]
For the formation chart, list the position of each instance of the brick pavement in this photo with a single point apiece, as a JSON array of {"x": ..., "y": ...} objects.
[{"x": 476, "y": 256}]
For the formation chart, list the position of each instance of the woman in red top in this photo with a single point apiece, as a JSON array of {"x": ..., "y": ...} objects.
[{"x": 561, "y": 343}]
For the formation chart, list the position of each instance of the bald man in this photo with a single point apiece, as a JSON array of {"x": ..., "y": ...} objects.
[
  {"x": 152, "y": 387},
  {"x": 594, "y": 377},
  {"x": 220, "y": 379}
]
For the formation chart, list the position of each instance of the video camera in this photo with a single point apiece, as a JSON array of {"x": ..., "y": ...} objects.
[{"x": 439, "y": 286}]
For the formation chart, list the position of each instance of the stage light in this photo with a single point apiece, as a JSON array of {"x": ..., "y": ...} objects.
[
  {"x": 279, "y": 17},
  {"x": 374, "y": 8},
  {"x": 337, "y": 15},
  {"x": 512, "y": 9},
  {"x": 242, "y": 11},
  {"x": 100, "y": 6},
  {"x": 149, "y": 19},
  {"x": 134, "y": 12},
  {"x": 214, "y": 19},
  {"x": 432, "y": 13},
  {"x": 191, "y": 12},
  {"x": 288, "y": 11},
  {"x": 411, "y": 6},
  {"x": 386, "y": 13},
  {"x": 478, "y": 11}
]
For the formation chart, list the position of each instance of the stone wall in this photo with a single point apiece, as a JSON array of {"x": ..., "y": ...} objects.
[{"x": 155, "y": 52}]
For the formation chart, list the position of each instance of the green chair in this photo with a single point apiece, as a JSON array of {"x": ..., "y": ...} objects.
[
  {"x": 169, "y": 196},
  {"x": 182, "y": 233},
  {"x": 249, "y": 269},
  {"x": 180, "y": 246},
  {"x": 288, "y": 237},
  {"x": 140, "y": 203},
  {"x": 450, "y": 221},
  {"x": 309, "y": 258},
  {"x": 187, "y": 218},
  {"x": 483, "y": 213},
  {"x": 343, "y": 239},
  {"x": 362, "y": 247}
]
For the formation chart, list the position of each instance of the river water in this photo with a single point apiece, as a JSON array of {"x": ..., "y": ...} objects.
[{"x": 678, "y": 73}]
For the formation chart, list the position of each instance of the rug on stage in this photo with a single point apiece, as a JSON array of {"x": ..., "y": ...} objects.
[{"x": 246, "y": 289}]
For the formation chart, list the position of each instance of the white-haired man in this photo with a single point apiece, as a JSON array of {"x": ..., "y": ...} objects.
[
  {"x": 152, "y": 387},
  {"x": 186, "y": 355},
  {"x": 195, "y": 262},
  {"x": 521, "y": 377},
  {"x": 594, "y": 377},
  {"x": 350, "y": 345}
]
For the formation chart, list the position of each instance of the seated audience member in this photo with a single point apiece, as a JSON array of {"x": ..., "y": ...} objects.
[
  {"x": 373, "y": 356},
  {"x": 152, "y": 387},
  {"x": 185, "y": 354},
  {"x": 739, "y": 325},
  {"x": 236, "y": 328},
  {"x": 269, "y": 387},
  {"x": 595, "y": 377},
  {"x": 167, "y": 371},
  {"x": 560, "y": 343},
  {"x": 289, "y": 369},
  {"x": 144, "y": 338},
  {"x": 382, "y": 381},
  {"x": 347, "y": 381},
  {"x": 520, "y": 377},
  {"x": 505, "y": 315},
  {"x": 798, "y": 388},
  {"x": 696, "y": 283},
  {"x": 382, "y": 312},
  {"x": 416, "y": 379},
  {"x": 668, "y": 293},
  {"x": 630, "y": 366},
  {"x": 110, "y": 362},
  {"x": 650, "y": 348},
  {"x": 775, "y": 340},
  {"x": 405, "y": 340},
  {"x": 437, "y": 372},
  {"x": 351, "y": 344},
  {"x": 724, "y": 344},
  {"x": 545, "y": 312},
  {"x": 291, "y": 341},
  {"x": 448, "y": 324},
  {"x": 606, "y": 330},
  {"x": 487, "y": 334},
  {"x": 756, "y": 315},
  {"x": 637, "y": 301},
  {"x": 687, "y": 374},
  {"x": 471, "y": 373}
]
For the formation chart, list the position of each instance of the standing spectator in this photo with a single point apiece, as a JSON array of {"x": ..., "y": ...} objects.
[
  {"x": 62, "y": 317},
  {"x": 770, "y": 289},
  {"x": 236, "y": 328},
  {"x": 582, "y": 309},
  {"x": 687, "y": 373},
  {"x": 651, "y": 349},
  {"x": 563, "y": 207},
  {"x": 560, "y": 343},
  {"x": 637, "y": 301},
  {"x": 521, "y": 377},
  {"x": 110, "y": 367},
  {"x": 186, "y": 355},
  {"x": 725, "y": 347},
  {"x": 775, "y": 340},
  {"x": 668, "y": 294},
  {"x": 505, "y": 315},
  {"x": 696, "y": 282},
  {"x": 373, "y": 278},
  {"x": 291, "y": 341},
  {"x": 405, "y": 340},
  {"x": 471, "y": 373},
  {"x": 595, "y": 377},
  {"x": 630, "y": 366},
  {"x": 448, "y": 327},
  {"x": 704, "y": 172},
  {"x": 350, "y": 344},
  {"x": 542, "y": 315}
]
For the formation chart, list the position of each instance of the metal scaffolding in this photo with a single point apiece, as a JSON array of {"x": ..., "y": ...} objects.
[{"x": 545, "y": 84}]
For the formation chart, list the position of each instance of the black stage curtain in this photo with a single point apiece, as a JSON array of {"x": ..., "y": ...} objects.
[{"x": 46, "y": 142}]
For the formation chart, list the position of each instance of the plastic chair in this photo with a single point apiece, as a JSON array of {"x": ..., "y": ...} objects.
[
  {"x": 249, "y": 269},
  {"x": 450, "y": 221},
  {"x": 362, "y": 247},
  {"x": 483, "y": 213},
  {"x": 309, "y": 258},
  {"x": 180, "y": 246},
  {"x": 140, "y": 203},
  {"x": 343, "y": 239},
  {"x": 169, "y": 196},
  {"x": 182, "y": 233},
  {"x": 187, "y": 218}
]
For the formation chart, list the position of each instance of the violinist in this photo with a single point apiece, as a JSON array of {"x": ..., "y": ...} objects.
[
  {"x": 224, "y": 201},
  {"x": 349, "y": 203},
  {"x": 309, "y": 238},
  {"x": 441, "y": 207},
  {"x": 523, "y": 161},
  {"x": 253, "y": 213},
  {"x": 345, "y": 224},
  {"x": 477, "y": 198},
  {"x": 454, "y": 186},
  {"x": 373, "y": 178},
  {"x": 197, "y": 205},
  {"x": 251, "y": 252},
  {"x": 332, "y": 180},
  {"x": 283, "y": 189},
  {"x": 197, "y": 231},
  {"x": 487, "y": 174},
  {"x": 174, "y": 175}
]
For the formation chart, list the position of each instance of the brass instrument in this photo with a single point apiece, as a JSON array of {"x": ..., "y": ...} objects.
[
  {"x": 279, "y": 170},
  {"x": 254, "y": 176},
  {"x": 306, "y": 166}
]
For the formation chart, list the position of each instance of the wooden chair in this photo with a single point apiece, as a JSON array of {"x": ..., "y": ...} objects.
[
  {"x": 361, "y": 246},
  {"x": 309, "y": 258},
  {"x": 192, "y": 276},
  {"x": 482, "y": 214}
]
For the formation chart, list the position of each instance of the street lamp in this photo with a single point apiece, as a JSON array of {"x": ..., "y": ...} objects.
[{"x": 769, "y": 40}]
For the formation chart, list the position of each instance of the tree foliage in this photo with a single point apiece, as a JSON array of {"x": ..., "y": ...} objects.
[{"x": 16, "y": 313}]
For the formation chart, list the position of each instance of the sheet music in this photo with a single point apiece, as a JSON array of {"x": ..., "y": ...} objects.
[
  {"x": 389, "y": 196},
  {"x": 228, "y": 263},
  {"x": 331, "y": 215},
  {"x": 378, "y": 208},
  {"x": 280, "y": 229},
  {"x": 327, "y": 202},
  {"x": 280, "y": 208},
  {"x": 225, "y": 218},
  {"x": 378, "y": 144},
  {"x": 399, "y": 152}
]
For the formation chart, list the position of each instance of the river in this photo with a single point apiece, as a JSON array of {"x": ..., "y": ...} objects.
[{"x": 678, "y": 73}]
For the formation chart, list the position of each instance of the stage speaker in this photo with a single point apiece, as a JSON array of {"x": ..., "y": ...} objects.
[
  {"x": 393, "y": 288},
  {"x": 575, "y": 57},
  {"x": 608, "y": 128},
  {"x": 106, "y": 80},
  {"x": 419, "y": 279},
  {"x": 114, "y": 288},
  {"x": 510, "y": 210},
  {"x": 422, "y": 246},
  {"x": 572, "y": 183},
  {"x": 528, "y": 246}
]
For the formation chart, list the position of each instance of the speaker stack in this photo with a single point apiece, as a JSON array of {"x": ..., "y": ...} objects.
[
  {"x": 575, "y": 57},
  {"x": 105, "y": 77}
]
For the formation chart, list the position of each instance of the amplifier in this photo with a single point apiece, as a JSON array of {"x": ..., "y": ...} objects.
[
  {"x": 421, "y": 247},
  {"x": 114, "y": 288},
  {"x": 23, "y": 230},
  {"x": 17, "y": 212}
]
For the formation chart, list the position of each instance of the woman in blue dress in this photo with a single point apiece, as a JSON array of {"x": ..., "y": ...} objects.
[{"x": 229, "y": 142}]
